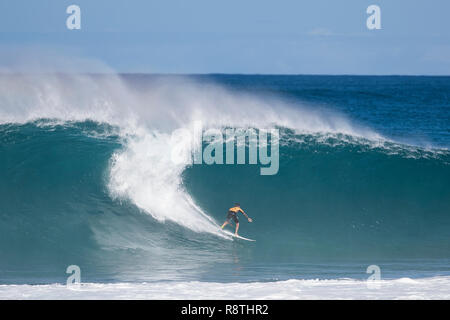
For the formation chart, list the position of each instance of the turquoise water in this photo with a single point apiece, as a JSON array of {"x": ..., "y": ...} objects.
[{"x": 339, "y": 203}]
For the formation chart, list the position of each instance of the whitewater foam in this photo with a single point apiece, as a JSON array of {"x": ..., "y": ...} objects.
[
  {"x": 143, "y": 171},
  {"x": 404, "y": 288}
]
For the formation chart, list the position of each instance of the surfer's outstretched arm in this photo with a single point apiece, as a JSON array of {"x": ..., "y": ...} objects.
[{"x": 248, "y": 218}]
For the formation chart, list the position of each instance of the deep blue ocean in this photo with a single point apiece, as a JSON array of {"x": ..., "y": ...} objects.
[{"x": 364, "y": 178}]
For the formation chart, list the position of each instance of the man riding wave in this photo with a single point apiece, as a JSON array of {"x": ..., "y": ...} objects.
[{"x": 232, "y": 214}]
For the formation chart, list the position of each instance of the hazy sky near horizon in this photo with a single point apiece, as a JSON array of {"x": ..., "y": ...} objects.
[{"x": 232, "y": 36}]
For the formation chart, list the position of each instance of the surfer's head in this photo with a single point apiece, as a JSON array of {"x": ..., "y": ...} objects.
[{"x": 237, "y": 205}]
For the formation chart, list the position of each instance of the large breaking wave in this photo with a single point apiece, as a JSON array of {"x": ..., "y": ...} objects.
[{"x": 86, "y": 178}]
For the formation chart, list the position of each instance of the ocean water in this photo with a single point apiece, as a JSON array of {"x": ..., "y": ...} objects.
[{"x": 86, "y": 179}]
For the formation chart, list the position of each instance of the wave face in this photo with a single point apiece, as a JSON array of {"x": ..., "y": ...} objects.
[{"x": 86, "y": 178}]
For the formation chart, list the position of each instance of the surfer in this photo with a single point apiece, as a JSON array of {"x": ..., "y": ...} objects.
[{"x": 232, "y": 214}]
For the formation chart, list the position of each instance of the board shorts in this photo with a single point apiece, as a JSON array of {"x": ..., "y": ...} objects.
[{"x": 232, "y": 215}]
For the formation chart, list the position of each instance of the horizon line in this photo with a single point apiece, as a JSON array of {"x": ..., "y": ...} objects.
[{"x": 228, "y": 74}]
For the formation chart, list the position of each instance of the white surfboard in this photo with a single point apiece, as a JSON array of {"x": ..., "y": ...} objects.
[
  {"x": 239, "y": 237},
  {"x": 235, "y": 236}
]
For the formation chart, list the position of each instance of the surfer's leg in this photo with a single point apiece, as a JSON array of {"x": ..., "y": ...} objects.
[
  {"x": 237, "y": 228},
  {"x": 229, "y": 216}
]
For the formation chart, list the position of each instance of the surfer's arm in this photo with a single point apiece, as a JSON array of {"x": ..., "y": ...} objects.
[{"x": 248, "y": 218}]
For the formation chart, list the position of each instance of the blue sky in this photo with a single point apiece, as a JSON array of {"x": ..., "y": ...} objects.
[{"x": 246, "y": 36}]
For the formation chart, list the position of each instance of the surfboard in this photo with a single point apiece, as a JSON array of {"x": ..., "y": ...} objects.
[
  {"x": 239, "y": 237},
  {"x": 235, "y": 236}
]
